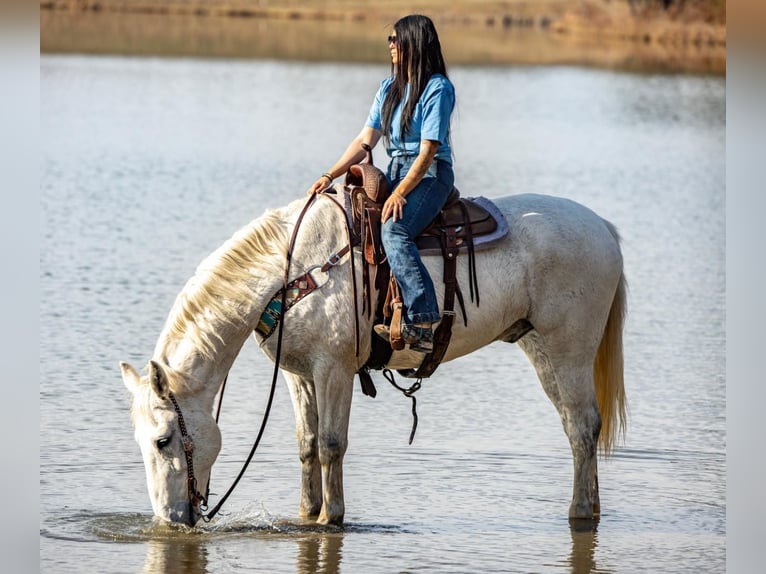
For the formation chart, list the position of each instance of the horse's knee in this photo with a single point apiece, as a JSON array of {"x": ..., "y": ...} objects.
[
  {"x": 307, "y": 448},
  {"x": 332, "y": 448}
]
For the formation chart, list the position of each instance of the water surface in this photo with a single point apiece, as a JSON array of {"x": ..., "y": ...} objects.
[{"x": 148, "y": 165}]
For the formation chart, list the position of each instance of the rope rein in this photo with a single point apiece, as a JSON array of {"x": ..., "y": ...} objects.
[
  {"x": 194, "y": 495},
  {"x": 278, "y": 354},
  {"x": 217, "y": 417}
]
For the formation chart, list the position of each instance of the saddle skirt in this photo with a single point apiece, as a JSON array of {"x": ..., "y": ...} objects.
[{"x": 487, "y": 225}]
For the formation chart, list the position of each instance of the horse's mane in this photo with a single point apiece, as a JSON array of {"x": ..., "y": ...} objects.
[{"x": 223, "y": 281}]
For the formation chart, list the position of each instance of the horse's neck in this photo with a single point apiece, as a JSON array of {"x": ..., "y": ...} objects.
[
  {"x": 208, "y": 346},
  {"x": 211, "y": 367},
  {"x": 204, "y": 333}
]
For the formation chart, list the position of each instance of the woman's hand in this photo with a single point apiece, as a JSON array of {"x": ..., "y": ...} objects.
[
  {"x": 394, "y": 206},
  {"x": 322, "y": 183},
  {"x": 353, "y": 154}
]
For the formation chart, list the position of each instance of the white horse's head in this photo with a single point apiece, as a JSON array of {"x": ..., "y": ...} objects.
[{"x": 158, "y": 431}]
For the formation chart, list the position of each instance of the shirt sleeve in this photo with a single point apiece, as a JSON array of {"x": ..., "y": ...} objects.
[
  {"x": 438, "y": 103},
  {"x": 374, "y": 118}
]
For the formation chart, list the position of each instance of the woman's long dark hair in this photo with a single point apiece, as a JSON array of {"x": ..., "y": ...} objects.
[{"x": 420, "y": 56}]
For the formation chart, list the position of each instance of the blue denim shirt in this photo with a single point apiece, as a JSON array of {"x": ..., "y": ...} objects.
[{"x": 430, "y": 120}]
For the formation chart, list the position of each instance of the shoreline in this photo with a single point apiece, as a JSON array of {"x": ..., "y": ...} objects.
[{"x": 599, "y": 33}]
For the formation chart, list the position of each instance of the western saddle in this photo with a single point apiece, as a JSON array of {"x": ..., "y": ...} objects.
[{"x": 454, "y": 229}]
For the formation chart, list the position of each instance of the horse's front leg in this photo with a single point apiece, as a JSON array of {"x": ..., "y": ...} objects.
[
  {"x": 303, "y": 396},
  {"x": 334, "y": 390}
]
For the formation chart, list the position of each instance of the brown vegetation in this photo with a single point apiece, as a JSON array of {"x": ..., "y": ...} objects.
[{"x": 671, "y": 35}]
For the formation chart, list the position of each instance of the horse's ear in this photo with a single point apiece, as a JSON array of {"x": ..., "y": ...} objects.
[
  {"x": 158, "y": 379},
  {"x": 130, "y": 376}
]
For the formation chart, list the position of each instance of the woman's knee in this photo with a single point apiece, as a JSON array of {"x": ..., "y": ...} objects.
[{"x": 393, "y": 232}]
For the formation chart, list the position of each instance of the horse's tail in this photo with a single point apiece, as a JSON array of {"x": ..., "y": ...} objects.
[{"x": 608, "y": 369}]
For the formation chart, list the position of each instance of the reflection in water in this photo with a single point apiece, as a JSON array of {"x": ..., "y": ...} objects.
[
  {"x": 320, "y": 553},
  {"x": 176, "y": 555},
  {"x": 584, "y": 542}
]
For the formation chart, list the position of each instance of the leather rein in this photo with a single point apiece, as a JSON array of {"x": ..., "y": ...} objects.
[{"x": 196, "y": 499}]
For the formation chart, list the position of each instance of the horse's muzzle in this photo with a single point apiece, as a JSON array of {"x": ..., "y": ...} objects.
[{"x": 184, "y": 514}]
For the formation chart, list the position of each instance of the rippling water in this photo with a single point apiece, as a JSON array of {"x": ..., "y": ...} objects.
[{"x": 149, "y": 165}]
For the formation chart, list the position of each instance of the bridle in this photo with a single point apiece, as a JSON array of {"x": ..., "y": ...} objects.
[{"x": 196, "y": 499}]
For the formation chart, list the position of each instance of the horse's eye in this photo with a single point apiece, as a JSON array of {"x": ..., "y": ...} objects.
[{"x": 163, "y": 442}]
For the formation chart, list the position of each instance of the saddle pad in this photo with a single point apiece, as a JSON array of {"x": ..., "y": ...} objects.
[{"x": 480, "y": 242}]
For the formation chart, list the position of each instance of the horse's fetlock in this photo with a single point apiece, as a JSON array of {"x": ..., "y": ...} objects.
[
  {"x": 307, "y": 448},
  {"x": 309, "y": 510}
]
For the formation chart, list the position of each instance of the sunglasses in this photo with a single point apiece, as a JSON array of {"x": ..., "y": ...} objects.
[{"x": 392, "y": 40}]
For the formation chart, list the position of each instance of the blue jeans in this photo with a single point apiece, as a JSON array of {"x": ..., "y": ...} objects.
[{"x": 423, "y": 205}]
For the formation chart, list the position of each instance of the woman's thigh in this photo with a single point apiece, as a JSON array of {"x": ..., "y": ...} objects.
[{"x": 425, "y": 202}]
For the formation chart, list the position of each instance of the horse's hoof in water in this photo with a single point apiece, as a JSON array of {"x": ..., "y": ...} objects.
[
  {"x": 330, "y": 520},
  {"x": 581, "y": 511},
  {"x": 308, "y": 514}
]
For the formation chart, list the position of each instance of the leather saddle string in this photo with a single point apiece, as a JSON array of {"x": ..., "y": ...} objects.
[
  {"x": 351, "y": 242},
  {"x": 473, "y": 280}
]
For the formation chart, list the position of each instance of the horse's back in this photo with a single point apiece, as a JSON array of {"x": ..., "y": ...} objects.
[
  {"x": 548, "y": 228},
  {"x": 554, "y": 217}
]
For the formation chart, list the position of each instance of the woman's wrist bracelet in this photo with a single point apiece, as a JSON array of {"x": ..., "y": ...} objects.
[{"x": 328, "y": 176}]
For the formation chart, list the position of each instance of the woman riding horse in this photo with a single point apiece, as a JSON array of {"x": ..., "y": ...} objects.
[{"x": 412, "y": 110}]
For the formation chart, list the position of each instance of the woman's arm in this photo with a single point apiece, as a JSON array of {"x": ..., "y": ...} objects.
[
  {"x": 353, "y": 154},
  {"x": 395, "y": 203}
]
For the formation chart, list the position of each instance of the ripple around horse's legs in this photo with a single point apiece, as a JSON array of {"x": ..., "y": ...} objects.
[
  {"x": 134, "y": 527},
  {"x": 91, "y": 527},
  {"x": 253, "y": 518},
  {"x": 260, "y": 521}
]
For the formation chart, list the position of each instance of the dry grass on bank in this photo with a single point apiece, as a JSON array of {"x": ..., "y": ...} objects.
[{"x": 688, "y": 36}]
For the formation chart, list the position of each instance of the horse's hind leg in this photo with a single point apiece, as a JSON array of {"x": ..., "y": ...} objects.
[
  {"x": 303, "y": 396},
  {"x": 582, "y": 424},
  {"x": 568, "y": 382}
]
